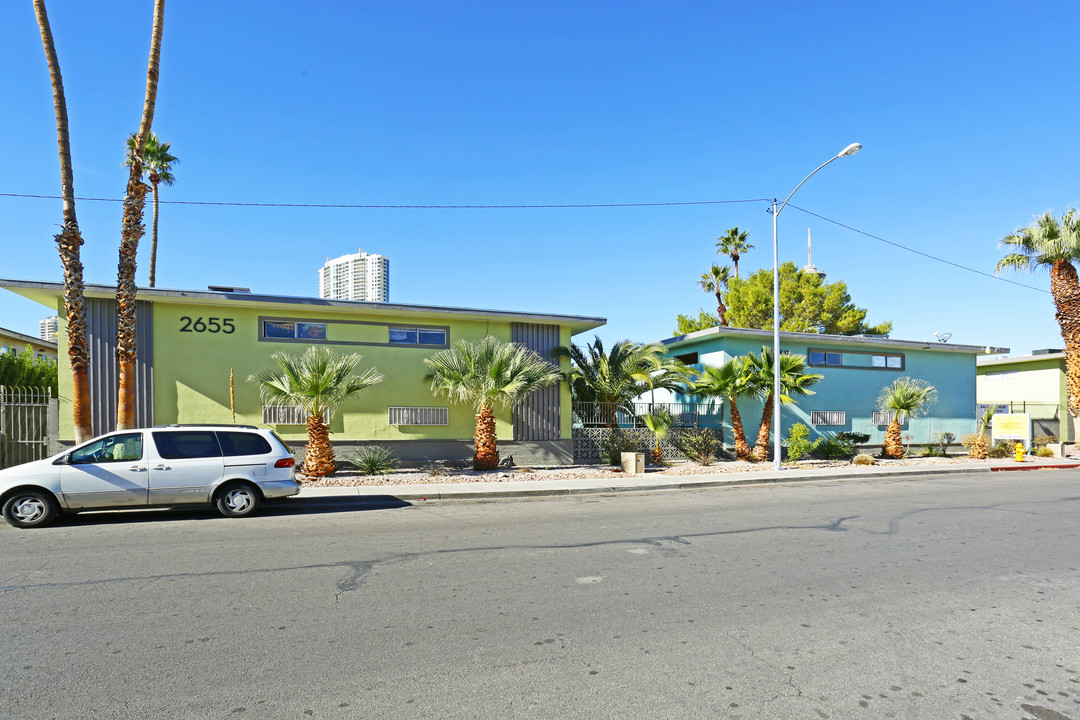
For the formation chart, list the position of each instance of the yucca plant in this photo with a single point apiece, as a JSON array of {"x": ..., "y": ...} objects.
[
  {"x": 487, "y": 374},
  {"x": 906, "y": 397},
  {"x": 319, "y": 381}
]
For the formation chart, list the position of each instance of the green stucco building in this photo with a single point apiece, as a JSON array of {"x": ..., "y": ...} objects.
[{"x": 190, "y": 341}]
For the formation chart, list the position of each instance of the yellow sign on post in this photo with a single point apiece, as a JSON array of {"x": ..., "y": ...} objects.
[{"x": 1012, "y": 426}]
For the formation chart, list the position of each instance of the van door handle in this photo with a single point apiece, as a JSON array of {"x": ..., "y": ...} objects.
[
  {"x": 161, "y": 467},
  {"x": 136, "y": 468}
]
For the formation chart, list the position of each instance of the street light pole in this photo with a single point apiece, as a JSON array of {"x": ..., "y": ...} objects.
[{"x": 849, "y": 150}]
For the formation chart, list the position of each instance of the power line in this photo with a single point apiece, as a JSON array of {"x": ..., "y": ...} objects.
[
  {"x": 400, "y": 207},
  {"x": 917, "y": 252}
]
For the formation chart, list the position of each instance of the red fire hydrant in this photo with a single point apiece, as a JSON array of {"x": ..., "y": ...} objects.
[{"x": 1019, "y": 452}]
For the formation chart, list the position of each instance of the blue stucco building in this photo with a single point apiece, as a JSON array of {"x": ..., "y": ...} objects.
[{"x": 855, "y": 369}]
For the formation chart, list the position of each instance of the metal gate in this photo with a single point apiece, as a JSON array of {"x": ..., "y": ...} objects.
[{"x": 28, "y": 424}]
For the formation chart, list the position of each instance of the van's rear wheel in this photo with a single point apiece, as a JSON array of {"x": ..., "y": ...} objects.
[
  {"x": 30, "y": 508},
  {"x": 238, "y": 499}
]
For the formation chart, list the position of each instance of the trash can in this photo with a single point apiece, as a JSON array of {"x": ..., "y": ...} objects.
[{"x": 633, "y": 463}]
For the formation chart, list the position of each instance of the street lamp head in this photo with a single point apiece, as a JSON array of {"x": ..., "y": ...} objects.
[{"x": 850, "y": 150}]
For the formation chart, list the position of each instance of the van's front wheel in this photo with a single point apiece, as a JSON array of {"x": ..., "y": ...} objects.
[
  {"x": 30, "y": 508},
  {"x": 238, "y": 499}
]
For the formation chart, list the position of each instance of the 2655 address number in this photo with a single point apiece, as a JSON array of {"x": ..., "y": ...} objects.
[{"x": 213, "y": 325}]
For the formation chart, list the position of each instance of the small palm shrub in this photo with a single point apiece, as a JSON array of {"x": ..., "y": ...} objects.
[
  {"x": 615, "y": 443},
  {"x": 863, "y": 459},
  {"x": 798, "y": 442},
  {"x": 929, "y": 450},
  {"x": 373, "y": 460},
  {"x": 1000, "y": 450},
  {"x": 699, "y": 445}
]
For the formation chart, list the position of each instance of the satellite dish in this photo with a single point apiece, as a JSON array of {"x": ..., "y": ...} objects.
[{"x": 943, "y": 337}]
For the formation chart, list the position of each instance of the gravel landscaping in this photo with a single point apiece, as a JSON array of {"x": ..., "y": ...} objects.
[{"x": 418, "y": 476}]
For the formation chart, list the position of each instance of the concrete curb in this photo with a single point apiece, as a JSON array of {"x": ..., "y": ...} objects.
[{"x": 587, "y": 486}]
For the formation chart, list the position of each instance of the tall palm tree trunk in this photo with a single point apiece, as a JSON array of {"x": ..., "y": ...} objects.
[
  {"x": 131, "y": 232},
  {"x": 742, "y": 448},
  {"x": 68, "y": 241},
  {"x": 153, "y": 231},
  {"x": 761, "y": 449},
  {"x": 1065, "y": 288},
  {"x": 721, "y": 309},
  {"x": 486, "y": 455},
  {"x": 319, "y": 456},
  {"x": 894, "y": 445}
]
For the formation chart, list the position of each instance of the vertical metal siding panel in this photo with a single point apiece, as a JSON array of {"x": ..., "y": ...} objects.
[
  {"x": 104, "y": 369},
  {"x": 538, "y": 417}
]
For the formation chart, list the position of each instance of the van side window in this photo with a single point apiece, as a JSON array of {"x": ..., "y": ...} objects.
[
  {"x": 242, "y": 443},
  {"x": 187, "y": 444},
  {"x": 115, "y": 448}
]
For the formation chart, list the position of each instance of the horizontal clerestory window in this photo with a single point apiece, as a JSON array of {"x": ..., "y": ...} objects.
[
  {"x": 417, "y": 336},
  {"x": 856, "y": 359}
]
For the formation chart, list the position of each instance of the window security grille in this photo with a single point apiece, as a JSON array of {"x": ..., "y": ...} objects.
[
  {"x": 417, "y": 416},
  {"x": 828, "y": 417},
  {"x": 287, "y": 415},
  {"x": 884, "y": 418}
]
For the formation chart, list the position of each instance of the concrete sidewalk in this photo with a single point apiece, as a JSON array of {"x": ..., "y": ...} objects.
[{"x": 648, "y": 482}]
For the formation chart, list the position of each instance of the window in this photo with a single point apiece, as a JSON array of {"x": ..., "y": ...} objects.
[
  {"x": 417, "y": 416},
  {"x": 242, "y": 443},
  {"x": 828, "y": 417},
  {"x": 187, "y": 444},
  {"x": 115, "y": 448},
  {"x": 285, "y": 330},
  {"x": 688, "y": 358},
  {"x": 856, "y": 359},
  {"x": 417, "y": 336}
]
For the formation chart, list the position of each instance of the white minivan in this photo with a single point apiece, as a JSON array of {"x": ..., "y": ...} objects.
[{"x": 235, "y": 467}]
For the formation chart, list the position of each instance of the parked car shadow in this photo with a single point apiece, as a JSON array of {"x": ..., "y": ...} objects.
[{"x": 275, "y": 508}]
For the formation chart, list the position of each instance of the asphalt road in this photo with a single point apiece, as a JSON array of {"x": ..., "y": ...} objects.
[{"x": 937, "y": 597}]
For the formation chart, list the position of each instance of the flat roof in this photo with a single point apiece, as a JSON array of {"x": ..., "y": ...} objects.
[
  {"x": 47, "y": 294},
  {"x": 1020, "y": 359},
  {"x": 28, "y": 339},
  {"x": 812, "y": 338}
]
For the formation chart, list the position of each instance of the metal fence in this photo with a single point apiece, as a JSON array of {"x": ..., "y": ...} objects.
[
  {"x": 629, "y": 415},
  {"x": 28, "y": 425}
]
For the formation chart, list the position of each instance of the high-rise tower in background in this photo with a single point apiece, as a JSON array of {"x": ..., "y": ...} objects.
[
  {"x": 48, "y": 327},
  {"x": 363, "y": 276}
]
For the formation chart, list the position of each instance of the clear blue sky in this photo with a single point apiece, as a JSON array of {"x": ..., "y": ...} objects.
[{"x": 967, "y": 116}]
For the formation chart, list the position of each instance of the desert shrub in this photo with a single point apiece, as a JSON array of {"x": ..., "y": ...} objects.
[
  {"x": 798, "y": 442},
  {"x": 929, "y": 450},
  {"x": 1000, "y": 450},
  {"x": 699, "y": 445},
  {"x": 615, "y": 443},
  {"x": 443, "y": 467},
  {"x": 372, "y": 460},
  {"x": 1043, "y": 452},
  {"x": 944, "y": 440},
  {"x": 1043, "y": 440},
  {"x": 968, "y": 440},
  {"x": 852, "y": 439},
  {"x": 833, "y": 449},
  {"x": 863, "y": 459}
]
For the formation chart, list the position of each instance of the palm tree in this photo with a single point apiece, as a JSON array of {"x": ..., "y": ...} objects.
[
  {"x": 131, "y": 231},
  {"x": 486, "y": 374},
  {"x": 1053, "y": 244},
  {"x": 660, "y": 422},
  {"x": 794, "y": 380},
  {"x": 906, "y": 397},
  {"x": 157, "y": 166},
  {"x": 68, "y": 241},
  {"x": 716, "y": 281},
  {"x": 612, "y": 380},
  {"x": 978, "y": 443},
  {"x": 734, "y": 379},
  {"x": 319, "y": 381},
  {"x": 733, "y": 244}
]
